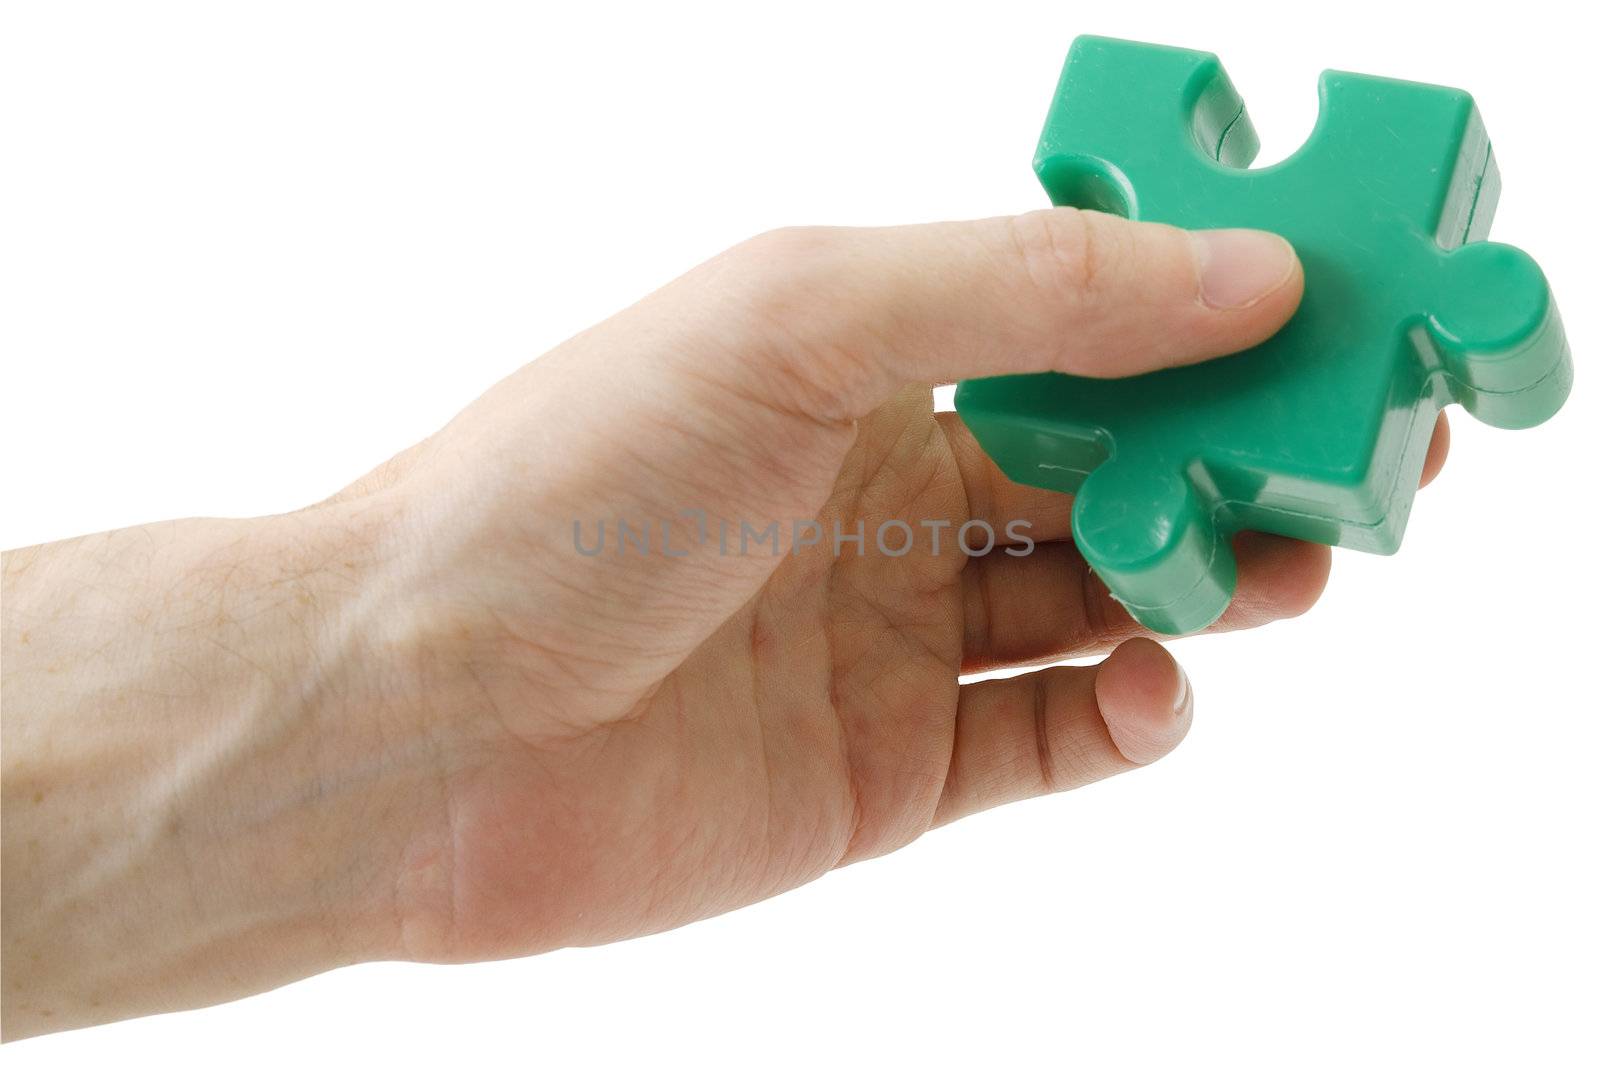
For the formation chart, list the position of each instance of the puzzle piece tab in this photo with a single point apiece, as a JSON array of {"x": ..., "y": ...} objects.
[{"x": 1320, "y": 432}]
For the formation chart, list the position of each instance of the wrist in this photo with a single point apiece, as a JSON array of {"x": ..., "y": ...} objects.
[{"x": 205, "y": 730}]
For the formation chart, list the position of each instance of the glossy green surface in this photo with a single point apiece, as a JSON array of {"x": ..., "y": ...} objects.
[{"x": 1320, "y": 432}]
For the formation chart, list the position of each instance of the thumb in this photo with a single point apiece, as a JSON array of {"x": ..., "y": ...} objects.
[{"x": 843, "y": 318}]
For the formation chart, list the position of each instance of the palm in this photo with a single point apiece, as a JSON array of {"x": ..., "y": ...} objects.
[{"x": 813, "y": 728}]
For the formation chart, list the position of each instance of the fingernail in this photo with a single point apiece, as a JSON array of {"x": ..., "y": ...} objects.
[
  {"x": 1185, "y": 699},
  {"x": 1240, "y": 267}
]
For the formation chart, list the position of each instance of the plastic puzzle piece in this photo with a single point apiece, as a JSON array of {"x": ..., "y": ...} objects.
[{"x": 1320, "y": 432}]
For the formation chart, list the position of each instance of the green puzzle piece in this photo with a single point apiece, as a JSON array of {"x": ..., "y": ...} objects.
[{"x": 1320, "y": 432}]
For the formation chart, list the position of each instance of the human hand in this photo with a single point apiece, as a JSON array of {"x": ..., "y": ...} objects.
[{"x": 420, "y": 720}]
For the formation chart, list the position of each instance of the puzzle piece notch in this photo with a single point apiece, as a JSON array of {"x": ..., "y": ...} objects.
[
  {"x": 1157, "y": 127},
  {"x": 1320, "y": 433}
]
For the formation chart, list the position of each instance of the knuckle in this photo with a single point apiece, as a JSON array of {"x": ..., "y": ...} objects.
[
  {"x": 1066, "y": 752},
  {"x": 978, "y": 614},
  {"x": 1046, "y": 753},
  {"x": 780, "y": 265},
  {"x": 821, "y": 352},
  {"x": 1068, "y": 253}
]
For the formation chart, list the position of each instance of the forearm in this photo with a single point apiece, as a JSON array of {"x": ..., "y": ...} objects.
[{"x": 187, "y": 762}]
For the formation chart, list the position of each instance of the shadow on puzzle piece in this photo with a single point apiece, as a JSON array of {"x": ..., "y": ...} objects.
[{"x": 1320, "y": 432}]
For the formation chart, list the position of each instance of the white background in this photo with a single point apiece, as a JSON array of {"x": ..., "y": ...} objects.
[{"x": 249, "y": 250}]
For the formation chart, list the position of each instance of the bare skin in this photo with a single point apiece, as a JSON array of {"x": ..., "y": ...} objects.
[{"x": 413, "y": 721}]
